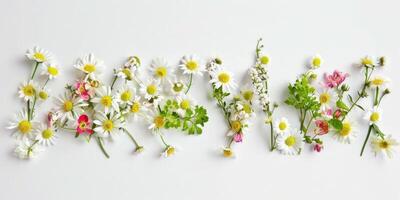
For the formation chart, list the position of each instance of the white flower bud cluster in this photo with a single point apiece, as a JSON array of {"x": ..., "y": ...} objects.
[{"x": 259, "y": 77}]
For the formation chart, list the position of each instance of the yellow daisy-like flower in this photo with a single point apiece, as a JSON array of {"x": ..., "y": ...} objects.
[
  {"x": 50, "y": 69},
  {"x": 191, "y": 65},
  {"x": 22, "y": 127},
  {"x": 169, "y": 151},
  {"x": 28, "y": 90},
  {"x": 224, "y": 79},
  {"x": 367, "y": 61},
  {"x": 379, "y": 81},
  {"x": 108, "y": 125},
  {"x": 373, "y": 116},
  {"x": 384, "y": 146},
  {"x": 228, "y": 152},
  {"x": 38, "y": 54},
  {"x": 160, "y": 68},
  {"x": 316, "y": 62},
  {"x": 90, "y": 65},
  {"x": 282, "y": 125}
]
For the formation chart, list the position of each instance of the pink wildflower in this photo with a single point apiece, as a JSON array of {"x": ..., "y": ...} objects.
[
  {"x": 335, "y": 79},
  {"x": 238, "y": 137},
  {"x": 83, "y": 125}
]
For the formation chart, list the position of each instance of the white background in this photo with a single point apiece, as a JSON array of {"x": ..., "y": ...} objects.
[{"x": 341, "y": 31}]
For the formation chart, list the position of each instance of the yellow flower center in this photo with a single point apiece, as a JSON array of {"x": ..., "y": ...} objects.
[
  {"x": 89, "y": 68},
  {"x": 43, "y": 95},
  {"x": 151, "y": 89},
  {"x": 39, "y": 56},
  {"x": 290, "y": 141},
  {"x": 236, "y": 126},
  {"x": 126, "y": 96},
  {"x": 108, "y": 125},
  {"x": 224, "y": 77},
  {"x": 282, "y": 126},
  {"x": 170, "y": 151},
  {"x": 135, "y": 107},
  {"x": 68, "y": 105},
  {"x": 48, "y": 133},
  {"x": 384, "y": 144},
  {"x": 177, "y": 87},
  {"x": 366, "y": 61},
  {"x": 377, "y": 81},
  {"x": 324, "y": 98},
  {"x": 346, "y": 129},
  {"x": 247, "y": 108},
  {"x": 82, "y": 125},
  {"x": 185, "y": 104},
  {"x": 28, "y": 90},
  {"x": 375, "y": 117},
  {"x": 192, "y": 65},
  {"x": 159, "y": 121},
  {"x": 106, "y": 101},
  {"x": 248, "y": 95},
  {"x": 52, "y": 71},
  {"x": 24, "y": 126},
  {"x": 161, "y": 71},
  {"x": 316, "y": 62},
  {"x": 227, "y": 153},
  {"x": 264, "y": 60},
  {"x": 127, "y": 73}
]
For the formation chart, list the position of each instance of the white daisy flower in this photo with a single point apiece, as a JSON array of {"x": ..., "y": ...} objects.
[
  {"x": 316, "y": 62},
  {"x": 282, "y": 125},
  {"x": 125, "y": 94},
  {"x": 160, "y": 68},
  {"x": 38, "y": 54},
  {"x": 69, "y": 108},
  {"x": 107, "y": 125},
  {"x": 151, "y": 89},
  {"x": 26, "y": 149},
  {"x": 104, "y": 100},
  {"x": 191, "y": 65},
  {"x": 224, "y": 79},
  {"x": 379, "y": 81},
  {"x": 22, "y": 127},
  {"x": 133, "y": 62},
  {"x": 50, "y": 69},
  {"x": 184, "y": 102},
  {"x": 90, "y": 65},
  {"x": 373, "y": 116},
  {"x": 347, "y": 134},
  {"x": 156, "y": 122},
  {"x": 290, "y": 143},
  {"x": 27, "y": 90},
  {"x": 177, "y": 86},
  {"x": 368, "y": 61},
  {"x": 169, "y": 151},
  {"x": 135, "y": 108},
  {"x": 325, "y": 99},
  {"x": 385, "y": 146},
  {"x": 45, "y": 136}
]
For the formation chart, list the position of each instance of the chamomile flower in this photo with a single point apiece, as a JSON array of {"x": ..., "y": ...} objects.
[
  {"x": 347, "y": 134},
  {"x": 169, "y": 151},
  {"x": 26, "y": 149},
  {"x": 151, "y": 89},
  {"x": 125, "y": 73},
  {"x": 45, "y": 135},
  {"x": 160, "y": 68},
  {"x": 368, "y": 61},
  {"x": 68, "y": 107},
  {"x": 22, "y": 127},
  {"x": 385, "y": 146},
  {"x": 177, "y": 87},
  {"x": 27, "y": 90},
  {"x": 90, "y": 65},
  {"x": 104, "y": 100},
  {"x": 316, "y": 62},
  {"x": 125, "y": 94},
  {"x": 325, "y": 98},
  {"x": 190, "y": 65},
  {"x": 108, "y": 125},
  {"x": 184, "y": 102},
  {"x": 133, "y": 62},
  {"x": 282, "y": 125},
  {"x": 50, "y": 69},
  {"x": 290, "y": 143},
  {"x": 224, "y": 79},
  {"x": 38, "y": 54},
  {"x": 135, "y": 108},
  {"x": 43, "y": 94},
  {"x": 373, "y": 116},
  {"x": 227, "y": 152},
  {"x": 263, "y": 59},
  {"x": 379, "y": 81},
  {"x": 156, "y": 122}
]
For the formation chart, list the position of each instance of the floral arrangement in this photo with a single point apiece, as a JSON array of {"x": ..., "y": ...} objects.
[
  {"x": 92, "y": 109},
  {"x": 237, "y": 110},
  {"x": 31, "y": 135}
]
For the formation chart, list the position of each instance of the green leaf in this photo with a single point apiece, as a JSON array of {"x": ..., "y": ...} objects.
[
  {"x": 335, "y": 123},
  {"x": 340, "y": 104}
]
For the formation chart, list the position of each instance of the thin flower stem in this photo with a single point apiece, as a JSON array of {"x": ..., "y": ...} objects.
[
  {"x": 230, "y": 142},
  {"x": 131, "y": 137},
  {"x": 33, "y": 106},
  {"x": 34, "y": 70},
  {"x": 28, "y": 110},
  {"x": 366, "y": 139},
  {"x": 272, "y": 136},
  {"x": 30, "y": 147},
  {"x": 113, "y": 82},
  {"x": 190, "y": 83},
  {"x": 376, "y": 96},
  {"x": 45, "y": 83},
  {"x": 163, "y": 140},
  {"x": 100, "y": 142}
]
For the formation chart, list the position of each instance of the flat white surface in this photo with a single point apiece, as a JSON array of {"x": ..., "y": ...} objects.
[{"x": 341, "y": 31}]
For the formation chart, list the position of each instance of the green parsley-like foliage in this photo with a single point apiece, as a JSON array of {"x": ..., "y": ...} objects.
[{"x": 301, "y": 95}]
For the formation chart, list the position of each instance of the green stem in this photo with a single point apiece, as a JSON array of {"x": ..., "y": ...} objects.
[
  {"x": 376, "y": 96},
  {"x": 28, "y": 110},
  {"x": 163, "y": 140},
  {"x": 366, "y": 139},
  {"x": 272, "y": 136},
  {"x": 45, "y": 83},
  {"x": 131, "y": 136},
  {"x": 230, "y": 142},
  {"x": 30, "y": 147},
  {"x": 33, "y": 107},
  {"x": 100, "y": 142},
  {"x": 190, "y": 83},
  {"x": 34, "y": 70},
  {"x": 113, "y": 82}
]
